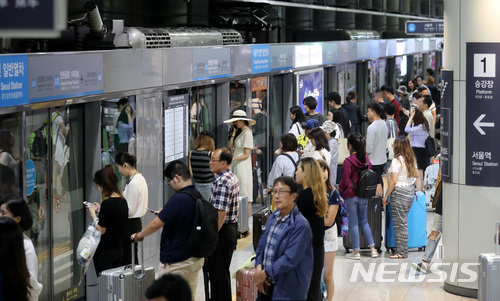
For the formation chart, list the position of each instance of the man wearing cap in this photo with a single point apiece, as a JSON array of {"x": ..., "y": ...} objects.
[
  {"x": 308, "y": 126},
  {"x": 330, "y": 129},
  {"x": 335, "y": 102}
]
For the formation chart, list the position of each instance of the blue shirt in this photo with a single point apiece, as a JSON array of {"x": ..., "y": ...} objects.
[
  {"x": 225, "y": 194},
  {"x": 277, "y": 228},
  {"x": 178, "y": 216}
]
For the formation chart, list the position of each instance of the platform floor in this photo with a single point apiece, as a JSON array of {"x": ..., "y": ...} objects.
[{"x": 400, "y": 286}]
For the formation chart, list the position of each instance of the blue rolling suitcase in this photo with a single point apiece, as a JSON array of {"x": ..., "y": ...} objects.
[{"x": 417, "y": 225}]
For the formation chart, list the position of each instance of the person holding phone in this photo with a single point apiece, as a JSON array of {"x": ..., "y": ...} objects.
[
  {"x": 418, "y": 128},
  {"x": 113, "y": 215}
]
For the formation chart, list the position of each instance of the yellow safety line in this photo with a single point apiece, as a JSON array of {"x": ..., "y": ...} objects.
[{"x": 58, "y": 250}]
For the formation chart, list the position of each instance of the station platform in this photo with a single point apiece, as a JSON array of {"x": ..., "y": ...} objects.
[{"x": 401, "y": 282}]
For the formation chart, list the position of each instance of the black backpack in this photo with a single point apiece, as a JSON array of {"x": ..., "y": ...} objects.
[
  {"x": 37, "y": 140},
  {"x": 203, "y": 237},
  {"x": 367, "y": 183}
]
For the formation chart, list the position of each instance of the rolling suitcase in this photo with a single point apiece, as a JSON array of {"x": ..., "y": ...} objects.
[
  {"x": 243, "y": 216},
  {"x": 259, "y": 222},
  {"x": 374, "y": 214},
  {"x": 246, "y": 290},
  {"x": 417, "y": 225},
  {"x": 489, "y": 274},
  {"x": 128, "y": 282}
]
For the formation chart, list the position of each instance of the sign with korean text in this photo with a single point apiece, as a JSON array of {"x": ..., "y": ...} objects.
[
  {"x": 13, "y": 80},
  {"x": 424, "y": 27},
  {"x": 261, "y": 58},
  {"x": 482, "y": 118},
  {"x": 282, "y": 57},
  {"x": 30, "y": 177},
  {"x": 446, "y": 124},
  {"x": 176, "y": 126},
  {"x": 330, "y": 52},
  {"x": 211, "y": 63},
  {"x": 32, "y": 18},
  {"x": 63, "y": 76}
]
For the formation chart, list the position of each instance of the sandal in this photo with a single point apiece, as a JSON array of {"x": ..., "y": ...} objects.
[{"x": 397, "y": 256}]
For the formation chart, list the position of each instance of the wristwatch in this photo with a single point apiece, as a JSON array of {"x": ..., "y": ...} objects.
[{"x": 269, "y": 279}]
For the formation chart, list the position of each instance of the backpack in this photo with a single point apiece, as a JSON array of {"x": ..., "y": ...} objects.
[
  {"x": 302, "y": 142},
  {"x": 294, "y": 163},
  {"x": 37, "y": 140},
  {"x": 367, "y": 184},
  {"x": 202, "y": 239},
  {"x": 342, "y": 219}
]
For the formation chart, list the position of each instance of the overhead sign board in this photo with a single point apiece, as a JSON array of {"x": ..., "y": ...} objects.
[
  {"x": 32, "y": 18},
  {"x": 482, "y": 118},
  {"x": 211, "y": 63},
  {"x": 446, "y": 124},
  {"x": 282, "y": 57},
  {"x": 13, "y": 80},
  {"x": 424, "y": 27},
  {"x": 65, "y": 75},
  {"x": 261, "y": 58}
]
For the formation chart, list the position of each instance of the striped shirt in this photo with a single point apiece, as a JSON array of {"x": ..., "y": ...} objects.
[
  {"x": 275, "y": 232},
  {"x": 225, "y": 194},
  {"x": 200, "y": 164}
]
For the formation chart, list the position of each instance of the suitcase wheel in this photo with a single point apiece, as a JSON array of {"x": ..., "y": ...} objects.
[{"x": 421, "y": 249}]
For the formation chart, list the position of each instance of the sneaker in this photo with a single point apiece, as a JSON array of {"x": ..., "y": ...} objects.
[
  {"x": 374, "y": 253},
  {"x": 353, "y": 256},
  {"x": 419, "y": 267}
]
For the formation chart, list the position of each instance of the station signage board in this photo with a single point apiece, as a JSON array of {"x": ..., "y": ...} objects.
[
  {"x": 261, "y": 58},
  {"x": 13, "y": 80},
  {"x": 211, "y": 63},
  {"x": 282, "y": 57},
  {"x": 482, "y": 118},
  {"x": 424, "y": 27},
  {"x": 446, "y": 124}
]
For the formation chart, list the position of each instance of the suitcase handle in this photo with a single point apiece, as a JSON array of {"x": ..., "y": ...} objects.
[{"x": 142, "y": 274}]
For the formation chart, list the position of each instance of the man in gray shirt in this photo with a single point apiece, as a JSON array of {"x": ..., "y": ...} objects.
[{"x": 376, "y": 137}]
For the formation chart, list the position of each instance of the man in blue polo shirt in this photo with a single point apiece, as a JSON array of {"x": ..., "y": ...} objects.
[{"x": 176, "y": 218}]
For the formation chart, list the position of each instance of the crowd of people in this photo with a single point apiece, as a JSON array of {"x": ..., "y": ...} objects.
[{"x": 317, "y": 166}]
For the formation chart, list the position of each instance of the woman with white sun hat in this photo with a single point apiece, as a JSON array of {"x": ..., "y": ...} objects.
[{"x": 241, "y": 139}]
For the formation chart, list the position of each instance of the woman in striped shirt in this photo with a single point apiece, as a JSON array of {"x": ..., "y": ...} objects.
[{"x": 199, "y": 163}]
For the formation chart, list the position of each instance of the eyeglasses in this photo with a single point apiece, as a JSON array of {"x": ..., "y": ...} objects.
[{"x": 275, "y": 192}]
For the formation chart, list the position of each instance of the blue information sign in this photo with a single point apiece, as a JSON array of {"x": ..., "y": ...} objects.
[
  {"x": 30, "y": 177},
  {"x": 424, "y": 27},
  {"x": 261, "y": 58},
  {"x": 13, "y": 80}
]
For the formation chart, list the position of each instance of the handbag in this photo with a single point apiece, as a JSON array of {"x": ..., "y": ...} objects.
[
  {"x": 430, "y": 147},
  {"x": 390, "y": 144},
  {"x": 343, "y": 149}
]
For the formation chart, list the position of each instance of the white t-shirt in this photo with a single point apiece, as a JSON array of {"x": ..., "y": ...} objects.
[
  {"x": 326, "y": 154},
  {"x": 32, "y": 263},
  {"x": 136, "y": 194},
  {"x": 297, "y": 130},
  {"x": 398, "y": 166}
]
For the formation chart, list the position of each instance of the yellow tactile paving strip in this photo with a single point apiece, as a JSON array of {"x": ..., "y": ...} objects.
[
  {"x": 58, "y": 250},
  {"x": 244, "y": 242}
]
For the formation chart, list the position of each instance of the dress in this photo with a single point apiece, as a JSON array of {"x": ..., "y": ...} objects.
[{"x": 243, "y": 169}]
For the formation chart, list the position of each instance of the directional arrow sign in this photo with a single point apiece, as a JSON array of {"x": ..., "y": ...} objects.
[{"x": 478, "y": 124}]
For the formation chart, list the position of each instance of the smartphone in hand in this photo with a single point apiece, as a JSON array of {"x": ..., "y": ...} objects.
[
  {"x": 88, "y": 204},
  {"x": 152, "y": 211}
]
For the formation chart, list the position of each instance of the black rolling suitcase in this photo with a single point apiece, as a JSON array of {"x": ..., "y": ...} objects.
[
  {"x": 259, "y": 221},
  {"x": 374, "y": 214}
]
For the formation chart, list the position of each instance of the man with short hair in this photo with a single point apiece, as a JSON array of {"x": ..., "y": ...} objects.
[
  {"x": 388, "y": 93},
  {"x": 376, "y": 138},
  {"x": 169, "y": 287},
  {"x": 176, "y": 218},
  {"x": 335, "y": 102},
  {"x": 420, "y": 83},
  {"x": 310, "y": 104},
  {"x": 224, "y": 195}
]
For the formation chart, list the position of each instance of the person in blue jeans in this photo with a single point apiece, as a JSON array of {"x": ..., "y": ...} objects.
[{"x": 356, "y": 206}]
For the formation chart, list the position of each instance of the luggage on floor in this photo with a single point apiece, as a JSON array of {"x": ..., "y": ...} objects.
[
  {"x": 246, "y": 290},
  {"x": 243, "y": 216},
  {"x": 128, "y": 282},
  {"x": 259, "y": 222},
  {"x": 417, "y": 225},
  {"x": 374, "y": 214},
  {"x": 430, "y": 178},
  {"x": 489, "y": 273}
]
